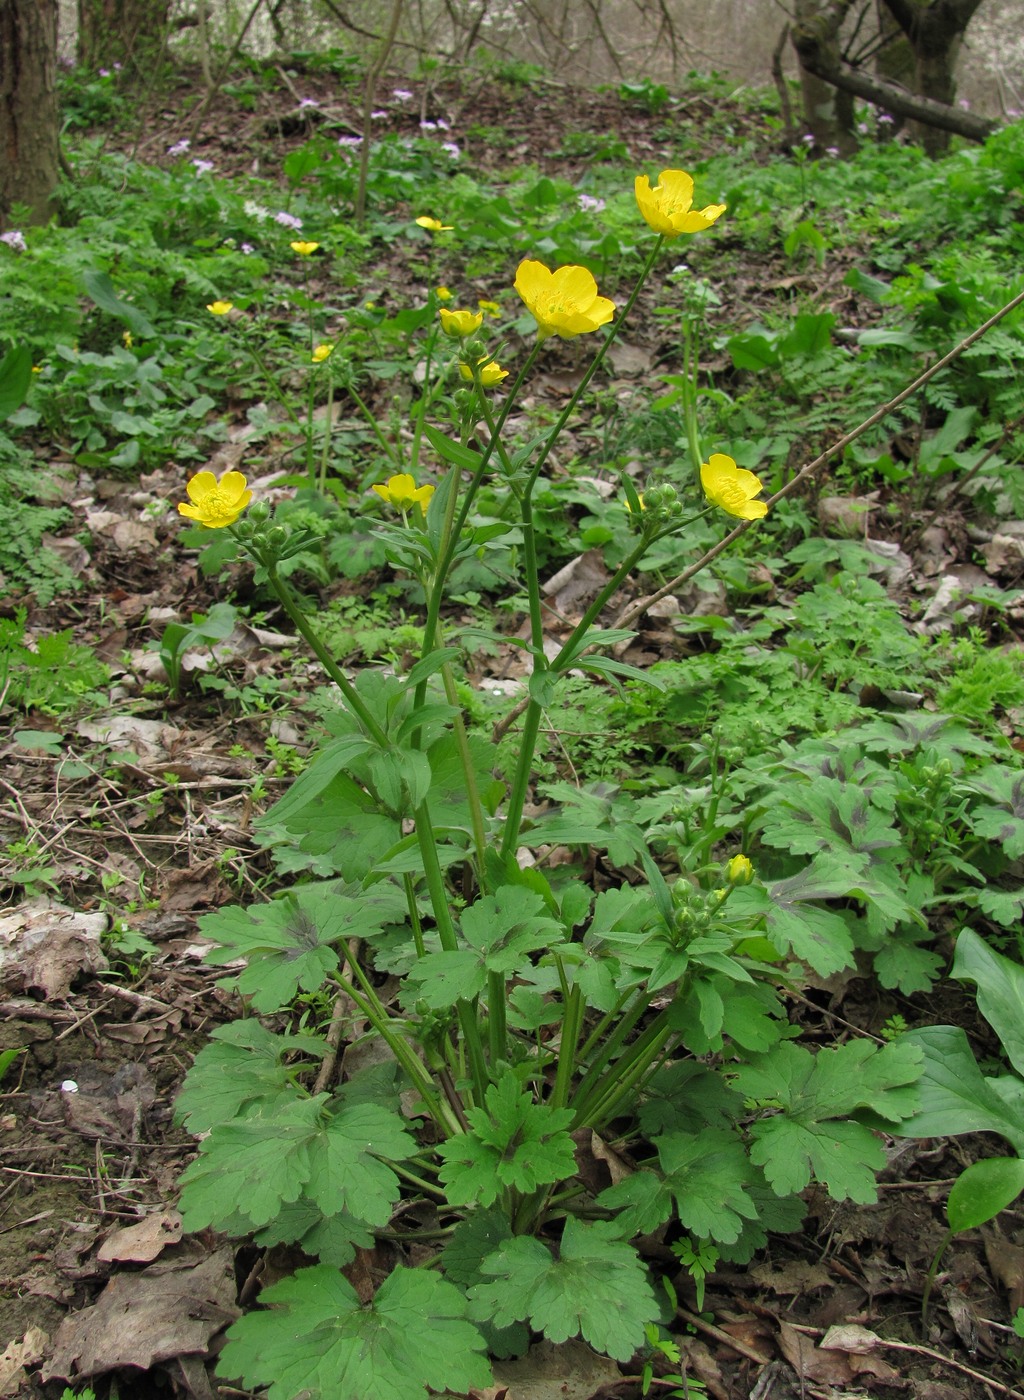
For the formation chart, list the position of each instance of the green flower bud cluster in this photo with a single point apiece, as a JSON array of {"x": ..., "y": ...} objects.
[
  {"x": 662, "y": 504},
  {"x": 695, "y": 910}
]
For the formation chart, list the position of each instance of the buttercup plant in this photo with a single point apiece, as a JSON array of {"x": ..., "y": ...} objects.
[{"x": 531, "y": 1017}]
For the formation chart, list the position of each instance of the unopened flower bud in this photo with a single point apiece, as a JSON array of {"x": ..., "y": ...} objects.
[
  {"x": 740, "y": 871},
  {"x": 259, "y": 513}
]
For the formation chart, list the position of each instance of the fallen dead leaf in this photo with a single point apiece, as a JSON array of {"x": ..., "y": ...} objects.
[
  {"x": 44, "y": 946},
  {"x": 28, "y": 1352},
  {"x": 141, "y": 1243},
  {"x": 849, "y": 1354},
  {"x": 170, "y": 1309},
  {"x": 796, "y": 1277},
  {"x": 570, "y": 1371},
  {"x": 1006, "y": 1261}
]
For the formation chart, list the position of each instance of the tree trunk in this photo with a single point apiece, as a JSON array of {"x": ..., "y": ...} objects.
[
  {"x": 29, "y": 121},
  {"x": 121, "y": 31},
  {"x": 934, "y": 29},
  {"x": 828, "y": 110}
]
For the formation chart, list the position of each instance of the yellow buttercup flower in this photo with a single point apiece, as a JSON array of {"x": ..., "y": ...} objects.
[
  {"x": 402, "y": 492},
  {"x": 321, "y": 353},
  {"x": 460, "y": 324},
  {"x": 304, "y": 250},
  {"x": 443, "y": 293},
  {"x": 216, "y": 503},
  {"x": 490, "y": 372},
  {"x": 490, "y": 307},
  {"x": 434, "y": 225},
  {"x": 668, "y": 206},
  {"x": 220, "y": 308},
  {"x": 640, "y": 498},
  {"x": 731, "y": 488},
  {"x": 564, "y": 302},
  {"x": 740, "y": 870},
  {"x": 126, "y": 336}
]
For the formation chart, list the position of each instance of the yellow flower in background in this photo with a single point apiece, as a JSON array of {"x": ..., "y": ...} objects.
[
  {"x": 126, "y": 336},
  {"x": 460, "y": 324},
  {"x": 434, "y": 225},
  {"x": 220, "y": 308},
  {"x": 490, "y": 371},
  {"x": 304, "y": 250},
  {"x": 321, "y": 353},
  {"x": 443, "y": 293},
  {"x": 564, "y": 302},
  {"x": 668, "y": 206},
  {"x": 216, "y": 503},
  {"x": 490, "y": 307},
  {"x": 640, "y": 498},
  {"x": 740, "y": 870},
  {"x": 402, "y": 492},
  {"x": 731, "y": 488}
]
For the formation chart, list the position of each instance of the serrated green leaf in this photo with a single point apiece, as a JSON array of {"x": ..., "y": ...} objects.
[
  {"x": 597, "y": 1288},
  {"x": 708, "y": 1175},
  {"x": 641, "y": 1202},
  {"x": 316, "y": 1339},
  {"x": 240, "y": 1071},
  {"x": 816, "y": 1094},
  {"x": 332, "y": 1239},
  {"x": 345, "y": 1167},
  {"x": 513, "y": 1143},
  {"x": 256, "y": 1164}
]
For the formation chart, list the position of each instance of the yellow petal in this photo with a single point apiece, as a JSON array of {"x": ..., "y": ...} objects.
[{"x": 200, "y": 486}]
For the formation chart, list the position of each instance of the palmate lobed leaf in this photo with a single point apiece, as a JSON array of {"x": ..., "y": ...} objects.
[
  {"x": 240, "y": 1070},
  {"x": 597, "y": 1288},
  {"x": 317, "y": 1341}
]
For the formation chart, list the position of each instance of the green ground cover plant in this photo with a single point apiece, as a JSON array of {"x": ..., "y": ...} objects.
[{"x": 579, "y": 907}]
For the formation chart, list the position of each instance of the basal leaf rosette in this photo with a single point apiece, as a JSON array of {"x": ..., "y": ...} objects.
[
  {"x": 215, "y": 502},
  {"x": 668, "y": 206},
  {"x": 564, "y": 302}
]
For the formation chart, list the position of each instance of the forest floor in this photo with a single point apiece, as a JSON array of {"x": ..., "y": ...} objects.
[{"x": 140, "y": 821}]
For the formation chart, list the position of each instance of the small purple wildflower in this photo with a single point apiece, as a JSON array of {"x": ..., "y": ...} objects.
[
  {"x": 442, "y": 125},
  {"x": 287, "y": 220},
  {"x": 964, "y": 104},
  {"x": 377, "y": 116},
  {"x": 832, "y": 151},
  {"x": 1013, "y": 113},
  {"x": 308, "y": 102},
  {"x": 428, "y": 126},
  {"x": 863, "y": 128},
  {"x": 401, "y": 94},
  {"x": 590, "y": 203},
  {"x": 884, "y": 119},
  {"x": 103, "y": 72},
  {"x": 179, "y": 148},
  {"x": 117, "y": 67},
  {"x": 350, "y": 143},
  {"x": 202, "y": 167},
  {"x": 807, "y": 139},
  {"x": 451, "y": 148},
  {"x": 15, "y": 239}
]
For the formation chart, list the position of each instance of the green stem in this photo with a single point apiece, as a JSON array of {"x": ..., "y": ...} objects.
[
  {"x": 468, "y": 1021},
  {"x": 326, "y": 449},
  {"x": 625, "y": 1075},
  {"x": 352, "y": 697},
  {"x": 389, "y": 448},
  {"x": 414, "y": 915},
  {"x": 594, "y": 366},
  {"x": 521, "y": 780},
  {"x": 572, "y": 1024},
  {"x": 273, "y": 386}
]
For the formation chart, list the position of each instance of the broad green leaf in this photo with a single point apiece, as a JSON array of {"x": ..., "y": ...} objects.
[
  {"x": 983, "y": 1190},
  {"x": 955, "y": 1096},
  {"x": 901, "y": 961},
  {"x": 819, "y": 937},
  {"x": 597, "y": 1288},
  {"x": 462, "y": 457},
  {"x": 1000, "y": 989},
  {"x": 514, "y": 1143},
  {"x": 286, "y": 945},
  {"x": 332, "y": 1239},
  {"x": 1004, "y": 820},
  {"x": 475, "y": 1237},
  {"x": 316, "y": 1339},
  {"x": 101, "y": 289},
  {"x": 708, "y": 1175},
  {"x": 816, "y": 1097},
  {"x": 345, "y": 1167},
  {"x": 240, "y": 1071},
  {"x": 256, "y": 1164},
  {"x": 502, "y": 930},
  {"x": 333, "y": 758},
  {"x": 15, "y": 377}
]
